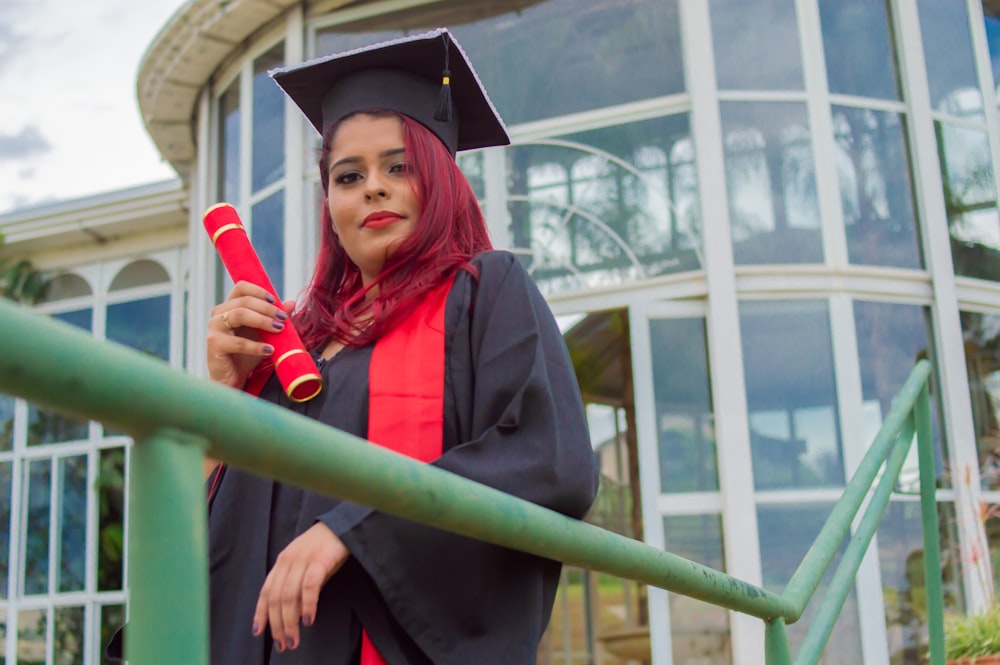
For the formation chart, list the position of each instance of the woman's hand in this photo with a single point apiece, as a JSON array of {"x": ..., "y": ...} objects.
[
  {"x": 291, "y": 590},
  {"x": 234, "y": 346}
]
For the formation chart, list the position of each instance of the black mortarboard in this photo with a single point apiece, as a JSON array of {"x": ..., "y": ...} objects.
[{"x": 427, "y": 77}]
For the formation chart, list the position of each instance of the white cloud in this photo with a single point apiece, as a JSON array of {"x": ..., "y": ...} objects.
[{"x": 68, "y": 81}]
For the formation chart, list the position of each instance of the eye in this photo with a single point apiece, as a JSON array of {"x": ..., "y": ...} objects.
[
  {"x": 399, "y": 168},
  {"x": 346, "y": 178}
]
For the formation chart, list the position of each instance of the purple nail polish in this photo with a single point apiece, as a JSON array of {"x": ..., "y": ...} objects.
[
  {"x": 268, "y": 297},
  {"x": 280, "y": 314},
  {"x": 277, "y": 325},
  {"x": 290, "y": 644},
  {"x": 255, "y": 629},
  {"x": 307, "y": 620},
  {"x": 268, "y": 349}
]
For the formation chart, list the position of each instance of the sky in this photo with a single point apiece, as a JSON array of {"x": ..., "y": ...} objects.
[{"x": 69, "y": 117}]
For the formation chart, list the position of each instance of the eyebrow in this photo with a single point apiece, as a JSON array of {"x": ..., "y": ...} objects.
[{"x": 382, "y": 155}]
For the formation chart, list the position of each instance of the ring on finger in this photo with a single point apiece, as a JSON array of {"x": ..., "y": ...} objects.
[{"x": 225, "y": 319}]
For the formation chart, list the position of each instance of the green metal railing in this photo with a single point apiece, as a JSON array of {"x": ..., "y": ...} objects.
[{"x": 175, "y": 419}]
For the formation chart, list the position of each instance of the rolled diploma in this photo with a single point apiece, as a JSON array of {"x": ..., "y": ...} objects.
[{"x": 295, "y": 368}]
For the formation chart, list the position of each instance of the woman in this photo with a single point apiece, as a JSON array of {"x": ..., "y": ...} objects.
[{"x": 406, "y": 297}]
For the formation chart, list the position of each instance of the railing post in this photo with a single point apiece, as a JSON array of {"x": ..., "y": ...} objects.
[
  {"x": 776, "y": 649},
  {"x": 929, "y": 520},
  {"x": 168, "y": 575}
]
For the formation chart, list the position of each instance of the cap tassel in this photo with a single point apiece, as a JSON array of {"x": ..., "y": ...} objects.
[{"x": 442, "y": 112}]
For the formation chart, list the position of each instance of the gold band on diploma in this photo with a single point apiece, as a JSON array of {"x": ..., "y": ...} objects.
[
  {"x": 226, "y": 227},
  {"x": 299, "y": 381},
  {"x": 285, "y": 355}
]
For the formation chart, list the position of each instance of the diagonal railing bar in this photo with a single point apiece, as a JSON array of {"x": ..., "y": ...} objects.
[{"x": 64, "y": 369}]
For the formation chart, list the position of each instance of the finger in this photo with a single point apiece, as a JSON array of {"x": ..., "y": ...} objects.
[
  {"x": 274, "y": 599},
  {"x": 288, "y": 306},
  {"x": 221, "y": 344},
  {"x": 271, "y": 319},
  {"x": 244, "y": 288},
  {"x": 291, "y": 606},
  {"x": 260, "y": 611},
  {"x": 312, "y": 583}
]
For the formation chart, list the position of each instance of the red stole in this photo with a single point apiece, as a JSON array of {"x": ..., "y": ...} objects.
[{"x": 405, "y": 395}]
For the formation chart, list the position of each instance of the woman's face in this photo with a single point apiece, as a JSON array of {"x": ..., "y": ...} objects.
[{"x": 371, "y": 194}]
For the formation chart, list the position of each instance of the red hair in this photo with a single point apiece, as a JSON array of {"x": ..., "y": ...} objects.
[{"x": 449, "y": 231}]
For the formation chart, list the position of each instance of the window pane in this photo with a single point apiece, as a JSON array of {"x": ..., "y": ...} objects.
[
  {"x": 992, "y": 524},
  {"x": 73, "y": 523},
  {"x": 112, "y": 618},
  {"x": 268, "y": 233},
  {"x": 471, "y": 164},
  {"x": 268, "y": 121},
  {"x": 45, "y": 427},
  {"x": 5, "y": 490},
  {"x": 685, "y": 421},
  {"x": 606, "y": 206},
  {"x": 900, "y": 550},
  {"x": 69, "y": 640},
  {"x": 982, "y": 360},
  {"x": 951, "y": 68},
  {"x": 143, "y": 325},
  {"x": 139, "y": 273},
  {"x": 771, "y": 182},
  {"x": 891, "y": 338},
  {"x": 6, "y": 423},
  {"x": 37, "y": 478},
  {"x": 791, "y": 394},
  {"x": 111, "y": 495},
  {"x": 31, "y": 637},
  {"x": 229, "y": 151},
  {"x": 970, "y": 201},
  {"x": 764, "y": 33},
  {"x": 993, "y": 39},
  {"x": 876, "y": 191},
  {"x": 857, "y": 43},
  {"x": 786, "y": 533},
  {"x": 699, "y": 631}
]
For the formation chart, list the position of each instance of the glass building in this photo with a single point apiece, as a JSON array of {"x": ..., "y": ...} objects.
[{"x": 751, "y": 217}]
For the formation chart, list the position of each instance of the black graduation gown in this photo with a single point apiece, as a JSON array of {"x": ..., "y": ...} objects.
[{"x": 513, "y": 420}]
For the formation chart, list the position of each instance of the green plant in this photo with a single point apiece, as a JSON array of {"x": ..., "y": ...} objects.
[{"x": 973, "y": 635}]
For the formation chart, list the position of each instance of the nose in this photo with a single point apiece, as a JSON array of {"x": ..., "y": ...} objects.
[{"x": 375, "y": 189}]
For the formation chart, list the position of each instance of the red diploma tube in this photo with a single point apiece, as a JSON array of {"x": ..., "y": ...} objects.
[{"x": 294, "y": 366}]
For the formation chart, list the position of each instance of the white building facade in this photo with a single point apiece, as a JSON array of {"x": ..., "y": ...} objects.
[{"x": 752, "y": 218}]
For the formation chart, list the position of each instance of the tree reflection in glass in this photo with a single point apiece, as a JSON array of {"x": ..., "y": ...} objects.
[
  {"x": 791, "y": 394},
  {"x": 47, "y": 427},
  {"x": 6, "y": 423},
  {"x": 31, "y": 626},
  {"x": 771, "y": 183},
  {"x": 35, "y": 531},
  {"x": 5, "y": 490},
  {"x": 606, "y": 206},
  {"x": 970, "y": 200},
  {"x": 859, "y": 49},
  {"x": 876, "y": 190},
  {"x": 111, "y": 531},
  {"x": 72, "y": 536},
  {"x": 981, "y": 333},
  {"x": 901, "y": 559},
  {"x": 69, "y": 636}
]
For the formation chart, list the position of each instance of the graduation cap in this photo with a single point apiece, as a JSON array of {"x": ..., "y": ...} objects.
[{"x": 427, "y": 77}]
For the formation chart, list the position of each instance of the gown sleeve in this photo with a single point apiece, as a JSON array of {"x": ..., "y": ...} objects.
[{"x": 518, "y": 426}]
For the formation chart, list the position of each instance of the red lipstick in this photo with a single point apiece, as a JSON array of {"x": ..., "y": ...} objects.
[{"x": 380, "y": 219}]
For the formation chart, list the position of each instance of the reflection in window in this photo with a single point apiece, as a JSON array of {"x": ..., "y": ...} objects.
[
  {"x": 46, "y": 427},
  {"x": 5, "y": 490},
  {"x": 875, "y": 188},
  {"x": 901, "y": 558},
  {"x": 685, "y": 421},
  {"x": 31, "y": 637},
  {"x": 38, "y": 498},
  {"x": 112, "y": 618},
  {"x": 111, "y": 507},
  {"x": 991, "y": 523},
  {"x": 763, "y": 32},
  {"x": 64, "y": 287},
  {"x": 606, "y": 206},
  {"x": 68, "y": 646},
  {"x": 791, "y": 394},
  {"x": 268, "y": 151},
  {"x": 143, "y": 325},
  {"x": 771, "y": 182},
  {"x": 993, "y": 40},
  {"x": 471, "y": 164},
  {"x": 891, "y": 338},
  {"x": 569, "y": 54},
  {"x": 981, "y": 333},
  {"x": 786, "y": 533},
  {"x": 699, "y": 631},
  {"x": 951, "y": 67},
  {"x": 72, "y": 536},
  {"x": 970, "y": 200},
  {"x": 859, "y": 49},
  {"x": 6, "y": 422},
  {"x": 229, "y": 151},
  {"x": 268, "y": 233}
]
